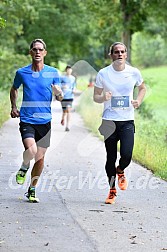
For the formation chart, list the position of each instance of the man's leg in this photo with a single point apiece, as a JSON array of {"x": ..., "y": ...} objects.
[
  {"x": 42, "y": 138},
  {"x": 38, "y": 165},
  {"x": 35, "y": 174},
  {"x": 126, "y": 149},
  {"x": 126, "y": 145},
  {"x": 63, "y": 117},
  {"x": 68, "y": 118},
  {"x": 30, "y": 150},
  {"x": 28, "y": 155},
  {"x": 111, "y": 149},
  {"x": 64, "y": 107}
]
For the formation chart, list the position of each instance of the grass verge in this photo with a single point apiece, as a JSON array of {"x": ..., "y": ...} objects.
[
  {"x": 4, "y": 107},
  {"x": 150, "y": 139}
]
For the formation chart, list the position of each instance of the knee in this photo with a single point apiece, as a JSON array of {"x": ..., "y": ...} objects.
[
  {"x": 126, "y": 159},
  {"x": 31, "y": 151}
]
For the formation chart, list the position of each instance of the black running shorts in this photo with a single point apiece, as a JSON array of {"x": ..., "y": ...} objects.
[
  {"x": 66, "y": 103},
  {"x": 40, "y": 132}
]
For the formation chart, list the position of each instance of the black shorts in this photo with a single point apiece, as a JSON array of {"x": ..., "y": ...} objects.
[
  {"x": 66, "y": 103},
  {"x": 40, "y": 132}
]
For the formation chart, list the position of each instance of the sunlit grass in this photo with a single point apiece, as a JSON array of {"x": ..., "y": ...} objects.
[
  {"x": 151, "y": 146},
  {"x": 150, "y": 138},
  {"x": 4, "y": 107},
  {"x": 157, "y": 98}
]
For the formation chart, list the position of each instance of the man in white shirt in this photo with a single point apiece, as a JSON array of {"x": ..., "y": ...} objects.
[{"x": 115, "y": 87}]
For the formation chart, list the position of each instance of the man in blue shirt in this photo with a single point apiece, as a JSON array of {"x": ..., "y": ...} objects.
[
  {"x": 38, "y": 81},
  {"x": 68, "y": 85}
]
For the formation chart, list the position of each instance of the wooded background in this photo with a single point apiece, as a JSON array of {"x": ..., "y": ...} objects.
[{"x": 81, "y": 30}]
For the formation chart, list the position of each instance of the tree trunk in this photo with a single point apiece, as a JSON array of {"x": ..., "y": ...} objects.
[
  {"x": 127, "y": 34},
  {"x": 126, "y": 38}
]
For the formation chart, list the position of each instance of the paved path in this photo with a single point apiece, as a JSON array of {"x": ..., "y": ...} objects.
[{"x": 71, "y": 215}]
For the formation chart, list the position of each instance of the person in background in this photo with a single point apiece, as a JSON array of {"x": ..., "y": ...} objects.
[
  {"x": 114, "y": 87},
  {"x": 39, "y": 81},
  {"x": 68, "y": 85}
]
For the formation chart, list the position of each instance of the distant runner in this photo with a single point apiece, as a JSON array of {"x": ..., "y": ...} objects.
[{"x": 68, "y": 85}]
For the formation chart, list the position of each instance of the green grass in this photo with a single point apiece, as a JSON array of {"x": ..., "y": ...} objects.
[
  {"x": 90, "y": 111},
  {"x": 151, "y": 145},
  {"x": 156, "y": 98},
  {"x": 151, "y": 134},
  {"x": 4, "y": 107}
]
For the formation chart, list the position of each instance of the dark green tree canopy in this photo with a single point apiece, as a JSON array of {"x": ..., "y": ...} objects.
[{"x": 74, "y": 29}]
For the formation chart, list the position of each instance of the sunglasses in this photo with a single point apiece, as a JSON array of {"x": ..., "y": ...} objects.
[
  {"x": 118, "y": 52},
  {"x": 37, "y": 49}
]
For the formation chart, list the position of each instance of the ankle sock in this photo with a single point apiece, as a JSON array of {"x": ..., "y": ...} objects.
[
  {"x": 32, "y": 188},
  {"x": 25, "y": 167}
]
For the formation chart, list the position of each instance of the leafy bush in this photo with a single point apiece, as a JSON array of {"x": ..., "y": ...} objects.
[
  {"x": 146, "y": 111},
  {"x": 9, "y": 63},
  {"x": 148, "y": 50}
]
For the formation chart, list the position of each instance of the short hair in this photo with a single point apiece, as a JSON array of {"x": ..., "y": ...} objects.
[
  {"x": 37, "y": 40},
  {"x": 68, "y": 67},
  {"x": 111, "y": 50}
]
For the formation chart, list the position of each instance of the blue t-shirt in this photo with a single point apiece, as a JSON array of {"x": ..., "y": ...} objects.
[
  {"x": 67, "y": 85},
  {"x": 37, "y": 93}
]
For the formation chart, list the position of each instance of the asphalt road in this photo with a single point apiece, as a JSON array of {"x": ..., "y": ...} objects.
[{"x": 71, "y": 215}]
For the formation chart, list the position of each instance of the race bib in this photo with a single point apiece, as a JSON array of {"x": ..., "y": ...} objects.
[{"x": 120, "y": 102}]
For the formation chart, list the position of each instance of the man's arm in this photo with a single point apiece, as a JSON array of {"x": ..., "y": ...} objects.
[
  {"x": 13, "y": 98},
  {"x": 141, "y": 93},
  {"x": 57, "y": 92},
  {"x": 99, "y": 96}
]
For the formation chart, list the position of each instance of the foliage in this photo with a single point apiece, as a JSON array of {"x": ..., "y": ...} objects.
[
  {"x": 9, "y": 62},
  {"x": 2, "y": 22},
  {"x": 123, "y": 19},
  {"x": 76, "y": 29},
  {"x": 63, "y": 27},
  {"x": 148, "y": 50}
]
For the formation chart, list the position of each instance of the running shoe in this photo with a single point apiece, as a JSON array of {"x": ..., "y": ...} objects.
[
  {"x": 111, "y": 196},
  {"x": 31, "y": 195},
  {"x": 122, "y": 181},
  {"x": 21, "y": 176},
  {"x": 67, "y": 129}
]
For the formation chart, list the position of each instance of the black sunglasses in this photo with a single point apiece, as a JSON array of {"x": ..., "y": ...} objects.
[
  {"x": 118, "y": 52},
  {"x": 37, "y": 49}
]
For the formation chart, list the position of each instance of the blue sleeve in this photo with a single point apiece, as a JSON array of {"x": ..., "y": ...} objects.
[
  {"x": 17, "y": 80},
  {"x": 56, "y": 79},
  {"x": 74, "y": 84}
]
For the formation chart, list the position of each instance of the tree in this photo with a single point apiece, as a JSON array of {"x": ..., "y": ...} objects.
[
  {"x": 2, "y": 22},
  {"x": 118, "y": 20},
  {"x": 133, "y": 17}
]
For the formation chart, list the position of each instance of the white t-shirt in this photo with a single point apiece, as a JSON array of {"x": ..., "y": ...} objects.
[{"x": 121, "y": 84}]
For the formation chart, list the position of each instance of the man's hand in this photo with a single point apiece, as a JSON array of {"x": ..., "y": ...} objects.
[
  {"x": 59, "y": 97},
  {"x": 107, "y": 95},
  {"x": 56, "y": 90},
  {"x": 15, "y": 112},
  {"x": 135, "y": 103},
  {"x": 100, "y": 95}
]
